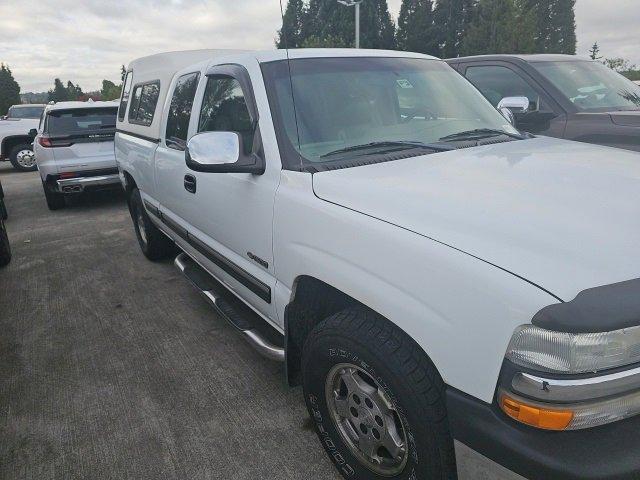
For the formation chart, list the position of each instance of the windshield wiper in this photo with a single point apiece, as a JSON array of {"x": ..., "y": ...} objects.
[
  {"x": 478, "y": 133},
  {"x": 389, "y": 146}
]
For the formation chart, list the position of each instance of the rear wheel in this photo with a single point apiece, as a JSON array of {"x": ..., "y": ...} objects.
[
  {"x": 23, "y": 158},
  {"x": 55, "y": 200},
  {"x": 376, "y": 400},
  {"x": 154, "y": 244},
  {"x": 5, "y": 248}
]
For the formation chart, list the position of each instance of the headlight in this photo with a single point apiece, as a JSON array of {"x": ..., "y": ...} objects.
[
  {"x": 548, "y": 351},
  {"x": 550, "y": 395}
]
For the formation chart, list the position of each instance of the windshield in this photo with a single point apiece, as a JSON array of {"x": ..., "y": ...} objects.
[
  {"x": 25, "y": 112},
  {"x": 591, "y": 86},
  {"x": 352, "y": 107},
  {"x": 83, "y": 120}
]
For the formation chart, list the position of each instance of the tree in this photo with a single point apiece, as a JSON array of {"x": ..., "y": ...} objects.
[
  {"x": 555, "y": 25},
  {"x": 110, "y": 91},
  {"x": 451, "y": 20},
  {"x": 416, "y": 29},
  {"x": 291, "y": 35},
  {"x": 9, "y": 89},
  {"x": 500, "y": 26},
  {"x": 619, "y": 64},
  {"x": 594, "y": 52},
  {"x": 59, "y": 92},
  {"x": 327, "y": 21},
  {"x": 74, "y": 92}
]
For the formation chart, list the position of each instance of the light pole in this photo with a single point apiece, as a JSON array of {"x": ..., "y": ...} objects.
[{"x": 354, "y": 3}]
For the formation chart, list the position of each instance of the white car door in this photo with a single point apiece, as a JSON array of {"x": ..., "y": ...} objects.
[{"x": 228, "y": 216}]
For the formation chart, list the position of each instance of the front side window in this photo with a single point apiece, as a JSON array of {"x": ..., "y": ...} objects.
[
  {"x": 81, "y": 121},
  {"x": 224, "y": 109},
  {"x": 591, "y": 86},
  {"x": 344, "y": 111},
  {"x": 126, "y": 89},
  {"x": 496, "y": 82},
  {"x": 25, "y": 112},
  {"x": 143, "y": 104},
  {"x": 180, "y": 111}
]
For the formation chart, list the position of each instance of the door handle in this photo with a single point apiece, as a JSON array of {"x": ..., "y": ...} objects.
[{"x": 190, "y": 183}]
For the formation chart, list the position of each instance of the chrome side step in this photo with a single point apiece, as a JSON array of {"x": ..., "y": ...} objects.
[{"x": 261, "y": 336}]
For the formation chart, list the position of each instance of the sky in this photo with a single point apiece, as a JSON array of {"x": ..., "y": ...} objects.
[{"x": 87, "y": 40}]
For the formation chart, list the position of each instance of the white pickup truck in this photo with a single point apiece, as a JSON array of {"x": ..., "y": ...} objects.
[
  {"x": 15, "y": 139},
  {"x": 444, "y": 288}
]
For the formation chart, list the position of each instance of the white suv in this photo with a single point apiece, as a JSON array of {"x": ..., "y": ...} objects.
[
  {"x": 74, "y": 149},
  {"x": 437, "y": 281}
]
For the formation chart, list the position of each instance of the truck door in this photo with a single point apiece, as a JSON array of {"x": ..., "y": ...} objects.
[{"x": 229, "y": 215}]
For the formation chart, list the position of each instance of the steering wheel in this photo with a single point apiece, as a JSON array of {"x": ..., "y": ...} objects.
[{"x": 413, "y": 113}]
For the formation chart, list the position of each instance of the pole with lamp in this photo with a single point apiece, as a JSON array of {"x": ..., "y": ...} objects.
[{"x": 354, "y": 3}]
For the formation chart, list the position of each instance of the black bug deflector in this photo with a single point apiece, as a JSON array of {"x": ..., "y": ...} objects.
[{"x": 600, "y": 309}]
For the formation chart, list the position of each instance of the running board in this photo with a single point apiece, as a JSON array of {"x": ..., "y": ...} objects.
[{"x": 261, "y": 336}]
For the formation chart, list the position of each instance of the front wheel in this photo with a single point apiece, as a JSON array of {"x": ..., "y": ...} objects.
[
  {"x": 376, "y": 400},
  {"x": 5, "y": 248},
  {"x": 23, "y": 158}
]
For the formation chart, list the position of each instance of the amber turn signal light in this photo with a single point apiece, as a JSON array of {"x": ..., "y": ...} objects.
[{"x": 536, "y": 416}]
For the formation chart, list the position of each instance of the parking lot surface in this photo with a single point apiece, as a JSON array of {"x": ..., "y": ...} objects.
[{"x": 113, "y": 367}]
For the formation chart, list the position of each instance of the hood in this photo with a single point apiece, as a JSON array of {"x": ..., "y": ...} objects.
[
  {"x": 563, "y": 215},
  {"x": 629, "y": 118}
]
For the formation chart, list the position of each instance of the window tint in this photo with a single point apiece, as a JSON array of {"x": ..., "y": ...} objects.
[
  {"x": 497, "y": 82},
  {"x": 224, "y": 109},
  {"x": 25, "y": 112},
  {"x": 82, "y": 120},
  {"x": 126, "y": 89},
  {"x": 143, "y": 103},
  {"x": 180, "y": 111}
]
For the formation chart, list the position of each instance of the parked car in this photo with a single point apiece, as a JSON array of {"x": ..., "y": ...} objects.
[
  {"x": 74, "y": 149},
  {"x": 569, "y": 97},
  {"x": 5, "y": 248},
  {"x": 16, "y": 144},
  {"x": 431, "y": 277}
]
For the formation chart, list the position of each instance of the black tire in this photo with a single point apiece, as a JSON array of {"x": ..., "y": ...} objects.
[
  {"x": 154, "y": 244},
  {"x": 392, "y": 361},
  {"x": 13, "y": 157},
  {"x": 55, "y": 200},
  {"x": 5, "y": 248}
]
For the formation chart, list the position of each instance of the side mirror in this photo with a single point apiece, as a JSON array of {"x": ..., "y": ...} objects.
[
  {"x": 509, "y": 106},
  {"x": 33, "y": 132},
  {"x": 221, "y": 152}
]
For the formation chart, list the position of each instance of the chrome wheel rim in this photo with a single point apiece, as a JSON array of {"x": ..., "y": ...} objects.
[
  {"x": 366, "y": 419},
  {"x": 141, "y": 229},
  {"x": 26, "y": 158}
]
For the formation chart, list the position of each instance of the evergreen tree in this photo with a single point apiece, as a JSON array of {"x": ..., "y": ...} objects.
[
  {"x": 328, "y": 21},
  {"x": 74, "y": 92},
  {"x": 594, "y": 53},
  {"x": 109, "y": 90},
  {"x": 59, "y": 92},
  {"x": 452, "y": 19},
  {"x": 416, "y": 29},
  {"x": 9, "y": 89},
  {"x": 291, "y": 35},
  {"x": 500, "y": 26},
  {"x": 555, "y": 29}
]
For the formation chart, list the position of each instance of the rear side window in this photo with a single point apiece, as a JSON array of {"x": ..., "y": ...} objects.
[
  {"x": 143, "y": 103},
  {"x": 124, "y": 100},
  {"x": 180, "y": 111},
  {"x": 81, "y": 121},
  {"x": 224, "y": 109}
]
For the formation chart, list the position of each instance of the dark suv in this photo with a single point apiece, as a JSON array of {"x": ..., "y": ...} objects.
[
  {"x": 5, "y": 250},
  {"x": 569, "y": 97}
]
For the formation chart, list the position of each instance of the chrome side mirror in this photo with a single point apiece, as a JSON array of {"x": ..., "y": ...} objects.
[
  {"x": 510, "y": 105},
  {"x": 221, "y": 152}
]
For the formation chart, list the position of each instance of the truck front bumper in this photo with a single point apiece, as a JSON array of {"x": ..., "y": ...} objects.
[{"x": 602, "y": 453}]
